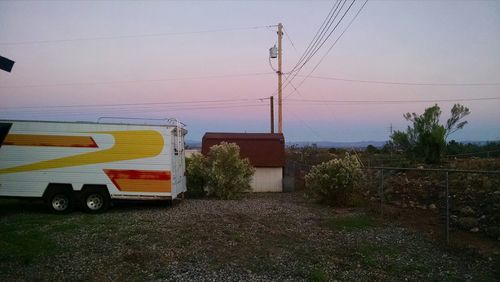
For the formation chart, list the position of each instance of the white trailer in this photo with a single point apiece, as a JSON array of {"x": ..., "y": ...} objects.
[{"x": 90, "y": 164}]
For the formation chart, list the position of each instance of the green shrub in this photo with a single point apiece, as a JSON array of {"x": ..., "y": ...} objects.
[
  {"x": 334, "y": 182},
  {"x": 228, "y": 175},
  {"x": 196, "y": 176},
  {"x": 222, "y": 173}
]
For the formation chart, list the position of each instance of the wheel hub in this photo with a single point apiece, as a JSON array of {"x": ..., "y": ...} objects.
[
  {"x": 95, "y": 202},
  {"x": 60, "y": 202}
]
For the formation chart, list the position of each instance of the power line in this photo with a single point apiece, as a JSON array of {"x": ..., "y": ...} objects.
[
  {"x": 241, "y": 103},
  {"x": 306, "y": 125},
  {"x": 324, "y": 41},
  {"x": 329, "y": 34},
  {"x": 136, "y": 104},
  {"x": 131, "y": 111},
  {"x": 393, "y": 101},
  {"x": 238, "y": 102},
  {"x": 320, "y": 30},
  {"x": 406, "y": 83},
  {"x": 132, "y": 36},
  {"x": 331, "y": 47},
  {"x": 134, "y": 81},
  {"x": 290, "y": 39},
  {"x": 327, "y": 22}
]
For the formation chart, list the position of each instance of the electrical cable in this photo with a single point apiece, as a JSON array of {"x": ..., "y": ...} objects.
[
  {"x": 328, "y": 36},
  {"x": 131, "y": 36},
  {"x": 133, "y": 81},
  {"x": 393, "y": 101},
  {"x": 135, "y": 104},
  {"x": 290, "y": 39},
  {"x": 129, "y": 111},
  {"x": 309, "y": 57},
  {"x": 318, "y": 32},
  {"x": 331, "y": 47},
  {"x": 406, "y": 83}
]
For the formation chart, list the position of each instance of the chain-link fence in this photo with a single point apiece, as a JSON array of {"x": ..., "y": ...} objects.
[{"x": 458, "y": 200}]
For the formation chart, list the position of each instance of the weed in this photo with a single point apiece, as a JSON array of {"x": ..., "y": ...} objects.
[
  {"x": 25, "y": 243},
  {"x": 350, "y": 222},
  {"x": 386, "y": 257},
  {"x": 317, "y": 275}
]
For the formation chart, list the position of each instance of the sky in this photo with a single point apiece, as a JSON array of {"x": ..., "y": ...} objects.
[{"x": 207, "y": 64}]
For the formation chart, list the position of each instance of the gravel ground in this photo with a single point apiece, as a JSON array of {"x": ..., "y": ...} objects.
[{"x": 261, "y": 237}]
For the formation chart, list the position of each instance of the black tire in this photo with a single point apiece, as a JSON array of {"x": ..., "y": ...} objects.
[
  {"x": 60, "y": 201},
  {"x": 95, "y": 200}
]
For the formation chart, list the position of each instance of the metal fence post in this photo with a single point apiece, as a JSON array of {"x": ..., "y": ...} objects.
[
  {"x": 447, "y": 211},
  {"x": 381, "y": 192}
]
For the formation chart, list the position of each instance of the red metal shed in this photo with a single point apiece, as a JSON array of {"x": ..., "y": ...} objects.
[
  {"x": 265, "y": 151},
  {"x": 262, "y": 149}
]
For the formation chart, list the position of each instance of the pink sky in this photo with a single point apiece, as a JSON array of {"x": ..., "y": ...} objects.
[{"x": 390, "y": 41}]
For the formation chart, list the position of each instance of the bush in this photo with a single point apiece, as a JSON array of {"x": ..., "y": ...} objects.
[
  {"x": 222, "y": 173},
  {"x": 196, "y": 176},
  {"x": 228, "y": 174},
  {"x": 334, "y": 182}
]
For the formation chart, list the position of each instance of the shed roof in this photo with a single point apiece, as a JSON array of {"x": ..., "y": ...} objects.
[{"x": 262, "y": 149}]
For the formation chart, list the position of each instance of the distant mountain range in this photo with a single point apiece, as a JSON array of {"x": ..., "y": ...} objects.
[
  {"x": 331, "y": 144},
  {"x": 322, "y": 144}
]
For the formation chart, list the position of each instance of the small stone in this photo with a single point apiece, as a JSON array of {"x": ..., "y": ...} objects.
[
  {"x": 467, "y": 211},
  {"x": 475, "y": 230},
  {"x": 396, "y": 203},
  {"x": 468, "y": 222},
  {"x": 432, "y": 207}
]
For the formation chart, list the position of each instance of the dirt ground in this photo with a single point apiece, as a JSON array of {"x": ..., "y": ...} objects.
[{"x": 261, "y": 237}]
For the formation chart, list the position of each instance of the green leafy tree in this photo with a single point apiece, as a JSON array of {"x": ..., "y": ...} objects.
[
  {"x": 222, "y": 173},
  {"x": 370, "y": 149},
  {"x": 426, "y": 138}
]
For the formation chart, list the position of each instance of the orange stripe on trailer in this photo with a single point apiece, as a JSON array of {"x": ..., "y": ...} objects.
[
  {"x": 50, "y": 140},
  {"x": 140, "y": 180}
]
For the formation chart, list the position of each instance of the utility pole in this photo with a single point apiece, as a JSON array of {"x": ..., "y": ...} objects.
[
  {"x": 280, "y": 94},
  {"x": 272, "y": 113}
]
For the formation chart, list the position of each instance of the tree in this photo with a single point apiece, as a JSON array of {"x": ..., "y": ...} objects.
[
  {"x": 370, "y": 149},
  {"x": 222, "y": 173},
  {"x": 458, "y": 112},
  {"x": 426, "y": 138}
]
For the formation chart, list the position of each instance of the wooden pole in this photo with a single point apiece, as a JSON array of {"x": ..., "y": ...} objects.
[
  {"x": 272, "y": 113},
  {"x": 280, "y": 94}
]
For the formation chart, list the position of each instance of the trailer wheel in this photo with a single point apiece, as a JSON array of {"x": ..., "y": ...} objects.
[
  {"x": 60, "y": 202},
  {"x": 95, "y": 200}
]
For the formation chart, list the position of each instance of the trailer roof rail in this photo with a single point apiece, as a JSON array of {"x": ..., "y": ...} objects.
[{"x": 146, "y": 121}]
